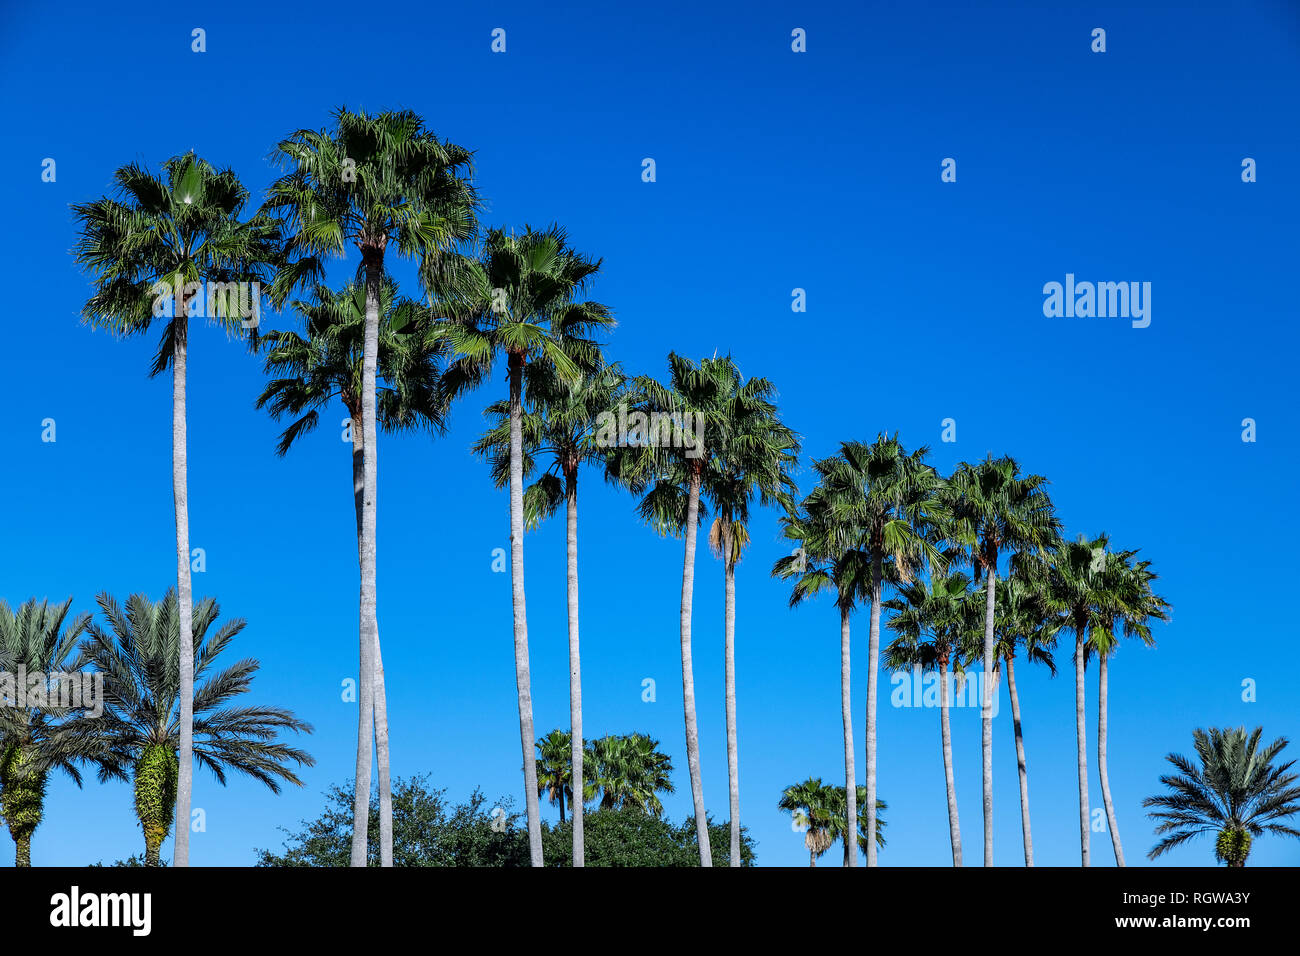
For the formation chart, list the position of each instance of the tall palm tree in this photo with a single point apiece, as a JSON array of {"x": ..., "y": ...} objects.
[
  {"x": 705, "y": 411},
  {"x": 1081, "y": 592},
  {"x": 137, "y": 655},
  {"x": 370, "y": 181},
  {"x": 561, "y": 419},
  {"x": 812, "y": 806},
  {"x": 1236, "y": 794},
  {"x": 1023, "y": 620},
  {"x": 752, "y": 460},
  {"x": 38, "y": 638},
  {"x": 149, "y": 252},
  {"x": 528, "y": 291},
  {"x": 1133, "y": 606},
  {"x": 627, "y": 771},
  {"x": 928, "y": 618},
  {"x": 994, "y": 512},
  {"x": 326, "y": 362},
  {"x": 555, "y": 771},
  {"x": 884, "y": 500},
  {"x": 824, "y": 559}
]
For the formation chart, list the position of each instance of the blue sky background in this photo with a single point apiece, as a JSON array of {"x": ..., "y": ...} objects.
[{"x": 776, "y": 170}]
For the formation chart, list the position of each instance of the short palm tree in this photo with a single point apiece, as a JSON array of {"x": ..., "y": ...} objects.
[
  {"x": 150, "y": 251},
  {"x": 1133, "y": 605},
  {"x": 928, "y": 618},
  {"x": 35, "y": 740},
  {"x": 555, "y": 770},
  {"x": 528, "y": 291},
  {"x": 627, "y": 772},
  {"x": 812, "y": 806},
  {"x": 136, "y": 653},
  {"x": 994, "y": 511},
  {"x": 1236, "y": 794},
  {"x": 561, "y": 420},
  {"x": 883, "y": 499},
  {"x": 309, "y": 370},
  {"x": 371, "y": 181}
]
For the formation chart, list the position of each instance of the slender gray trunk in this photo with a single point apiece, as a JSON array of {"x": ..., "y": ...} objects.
[
  {"x": 688, "y": 675},
  {"x": 381, "y": 697},
  {"x": 523, "y": 677},
  {"x": 575, "y": 677},
  {"x": 873, "y": 666},
  {"x": 1111, "y": 823},
  {"x": 945, "y": 732},
  {"x": 368, "y": 635},
  {"x": 1020, "y": 761},
  {"x": 1081, "y": 743},
  {"x": 850, "y": 757},
  {"x": 184, "y": 589},
  {"x": 986, "y": 710},
  {"x": 729, "y": 641}
]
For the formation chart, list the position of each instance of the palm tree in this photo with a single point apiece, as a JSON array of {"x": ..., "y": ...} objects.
[
  {"x": 1236, "y": 794},
  {"x": 308, "y": 371},
  {"x": 1023, "y": 620},
  {"x": 136, "y": 655},
  {"x": 928, "y": 619},
  {"x": 36, "y": 739},
  {"x": 370, "y": 181},
  {"x": 561, "y": 419},
  {"x": 994, "y": 511},
  {"x": 1133, "y": 605},
  {"x": 627, "y": 772},
  {"x": 149, "y": 252},
  {"x": 812, "y": 808},
  {"x": 882, "y": 499},
  {"x": 707, "y": 426},
  {"x": 527, "y": 290},
  {"x": 751, "y": 460},
  {"x": 1080, "y": 591},
  {"x": 555, "y": 771}
]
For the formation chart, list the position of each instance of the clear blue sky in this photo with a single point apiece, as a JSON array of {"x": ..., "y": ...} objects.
[{"x": 776, "y": 170}]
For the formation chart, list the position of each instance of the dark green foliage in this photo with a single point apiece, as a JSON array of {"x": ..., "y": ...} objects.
[{"x": 633, "y": 838}]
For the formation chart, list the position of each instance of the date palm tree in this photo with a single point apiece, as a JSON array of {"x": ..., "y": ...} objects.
[
  {"x": 39, "y": 738},
  {"x": 994, "y": 511},
  {"x": 528, "y": 292},
  {"x": 371, "y": 181},
  {"x": 1236, "y": 794},
  {"x": 149, "y": 252},
  {"x": 928, "y": 619},
  {"x": 673, "y": 460},
  {"x": 561, "y": 420},
  {"x": 1133, "y": 605},
  {"x": 136, "y": 653},
  {"x": 884, "y": 498},
  {"x": 309, "y": 370}
]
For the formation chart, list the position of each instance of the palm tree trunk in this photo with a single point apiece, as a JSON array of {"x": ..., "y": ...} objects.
[
  {"x": 688, "y": 674},
  {"x": 850, "y": 770},
  {"x": 873, "y": 665},
  {"x": 1020, "y": 761},
  {"x": 945, "y": 732},
  {"x": 575, "y": 676},
  {"x": 368, "y": 635},
  {"x": 23, "y": 850},
  {"x": 1081, "y": 742},
  {"x": 1111, "y": 823},
  {"x": 184, "y": 588},
  {"x": 381, "y": 697},
  {"x": 986, "y": 710},
  {"x": 729, "y": 640},
  {"x": 523, "y": 677}
]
